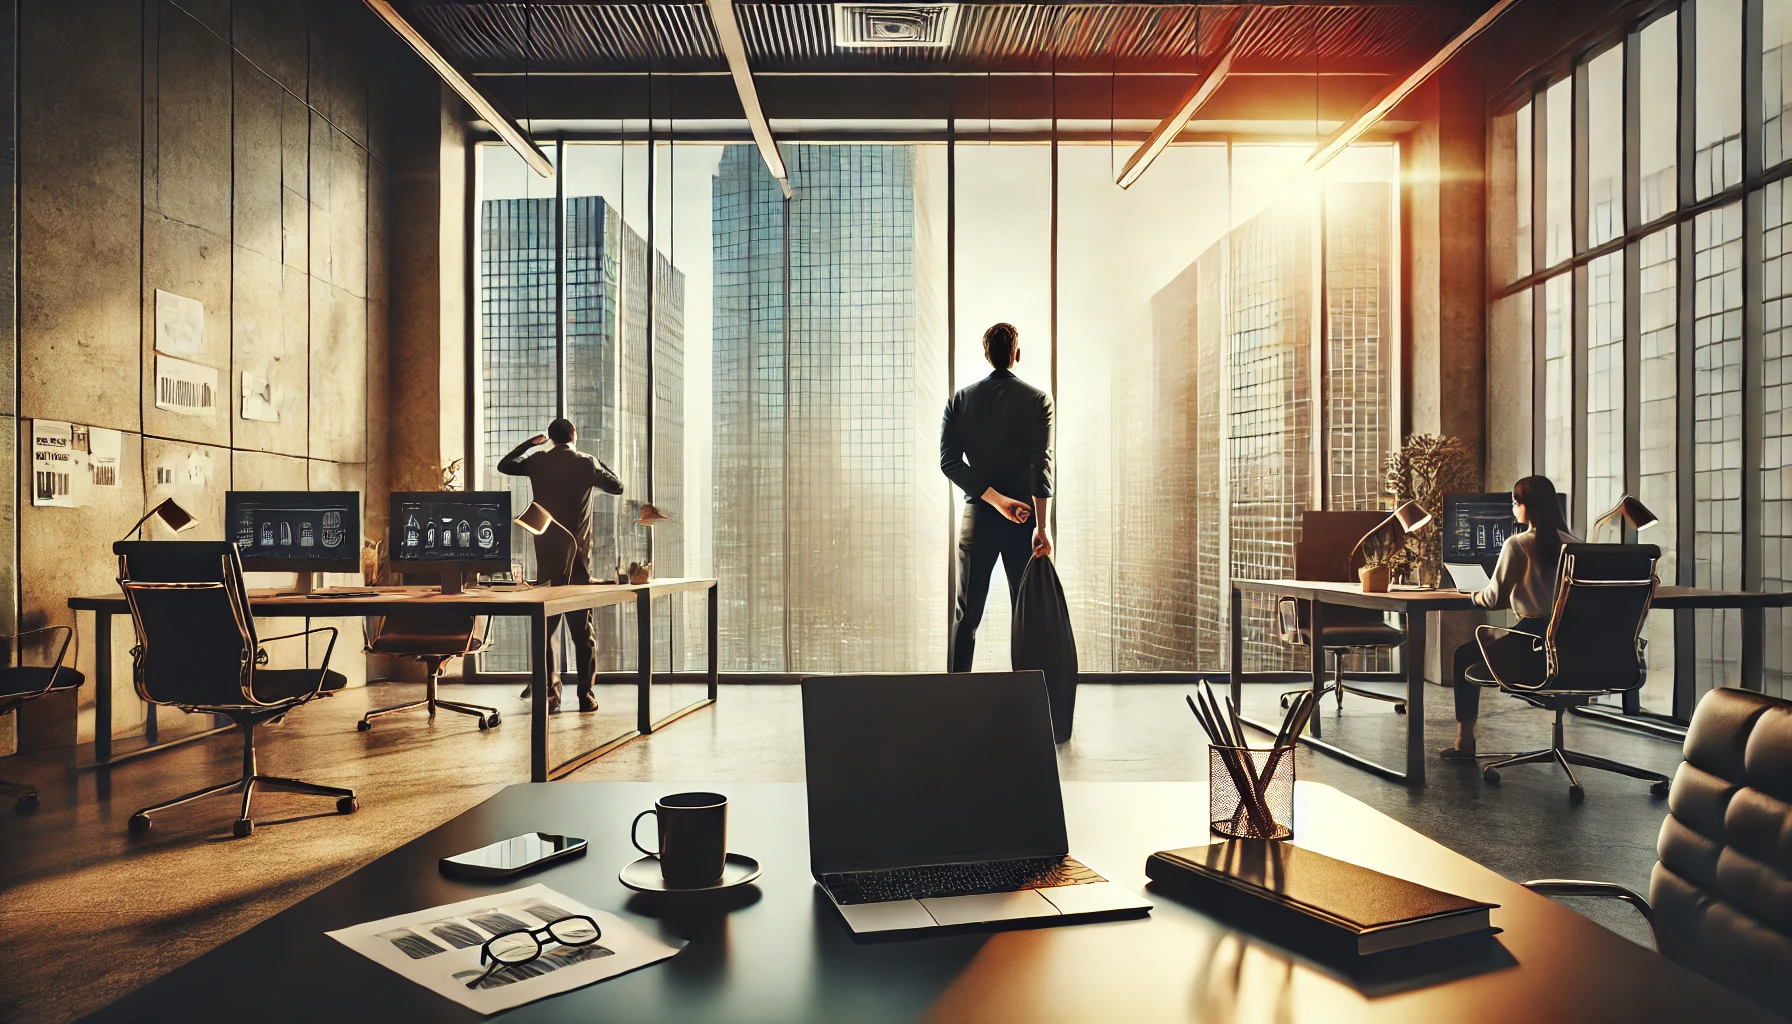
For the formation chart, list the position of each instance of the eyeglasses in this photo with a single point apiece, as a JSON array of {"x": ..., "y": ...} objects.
[{"x": 524, "y": 944}]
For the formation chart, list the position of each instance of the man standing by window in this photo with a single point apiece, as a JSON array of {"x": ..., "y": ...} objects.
[
  {"x": 1003, "y": 427},
  {"x": 565, "y": 481}
]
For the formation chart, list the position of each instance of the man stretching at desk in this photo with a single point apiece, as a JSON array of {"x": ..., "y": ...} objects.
[{"x": 565, "y": 482}]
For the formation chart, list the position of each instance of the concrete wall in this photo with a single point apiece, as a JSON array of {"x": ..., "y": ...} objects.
[{"x": 231, "y": 152}]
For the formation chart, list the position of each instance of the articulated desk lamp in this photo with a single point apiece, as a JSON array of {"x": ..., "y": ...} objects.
[
  {"x": 170, "y": 513},
  {"x": 1627, "y": 510},
  {"x": 1409, "y": 515},
  {"x": 537, "y": 521}
]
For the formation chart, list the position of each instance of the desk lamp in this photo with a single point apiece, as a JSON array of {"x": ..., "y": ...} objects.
[
  {"x": 537, "y": 521},
  {"x": 1627, "y": 510},
  {"x": 170, "y": 513},
  {"x": 1410, "y": 517}
]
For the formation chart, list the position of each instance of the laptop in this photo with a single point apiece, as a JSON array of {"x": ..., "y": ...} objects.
[
  {"x": 1469, "y": 577},
  {"x": 934, "y": 802}
]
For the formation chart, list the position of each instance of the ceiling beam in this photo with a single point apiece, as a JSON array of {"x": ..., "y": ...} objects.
[
  {"x": 1378, "y": 108},
  {"x": 1197, "y": 97},
  {"x": 488, "y": 111},
  {"x": 735, "y": 49}
]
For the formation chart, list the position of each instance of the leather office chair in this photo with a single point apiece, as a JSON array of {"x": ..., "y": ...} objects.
[
  {"x": 1323, "y": 553},
  {"x": 20, "y": 683},
  {"x": 1717, "y": 895},
  {"x": 197, "y": 650},
  {"x": 1593, "y": 649},
  {"x": 435, "y": 642}
]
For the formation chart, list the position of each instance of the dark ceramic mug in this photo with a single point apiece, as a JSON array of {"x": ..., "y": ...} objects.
[{"x": 693, "y": 831}]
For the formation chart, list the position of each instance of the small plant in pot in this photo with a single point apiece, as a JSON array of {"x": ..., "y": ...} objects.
[{"x": 1377, "y": 571}]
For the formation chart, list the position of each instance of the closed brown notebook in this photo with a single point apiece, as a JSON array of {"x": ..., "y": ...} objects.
[{"x": 1345, "y": 905}]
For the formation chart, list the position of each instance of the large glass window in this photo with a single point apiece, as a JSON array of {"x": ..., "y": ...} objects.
[
  {"x": 1557, "y": 106},
  {"x": 1605, "y": 385},
  {"x": 1717, "y": 129},
  {"x": 1558, "y": 378},
  {"x": 1717, "y": 435},
  {"x": 1658, "y": 116},
  {"x": 1524, "y": 202},
  {"x": 1605, "y": 146},
  {"x": 1776, "y": 81},
  {"x": 1776, "y": 424},
  {"x": 1658, "y": 445}
]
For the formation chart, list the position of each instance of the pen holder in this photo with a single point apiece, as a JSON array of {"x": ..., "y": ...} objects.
[{"x": 1250, "y": 792}]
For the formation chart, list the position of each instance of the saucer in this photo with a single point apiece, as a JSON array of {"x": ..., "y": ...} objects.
[{"x": 644, "y": 875}]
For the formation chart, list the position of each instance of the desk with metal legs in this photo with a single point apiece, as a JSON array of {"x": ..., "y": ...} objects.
[
  {"x": 538, "y": 605},
  {"x": 1414, "y": 603}
]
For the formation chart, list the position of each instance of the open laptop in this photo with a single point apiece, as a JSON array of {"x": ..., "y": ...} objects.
[
  {"x": 934, "y": 801},
  {"x": 1469, "y": 577}
]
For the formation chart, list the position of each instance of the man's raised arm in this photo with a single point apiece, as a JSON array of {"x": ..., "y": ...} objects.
[{"x": 512, "y": 464}]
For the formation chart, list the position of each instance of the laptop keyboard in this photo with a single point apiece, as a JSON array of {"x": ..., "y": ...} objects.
[{"x": 939, "y": 880}]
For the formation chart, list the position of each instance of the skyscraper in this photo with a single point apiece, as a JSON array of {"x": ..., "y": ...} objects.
[
  {"x": 829, "y": 379},
  {"x": 605, "y": 373}
]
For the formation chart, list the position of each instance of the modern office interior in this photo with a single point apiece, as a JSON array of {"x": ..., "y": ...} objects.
[{"x": 499, "y": 489}]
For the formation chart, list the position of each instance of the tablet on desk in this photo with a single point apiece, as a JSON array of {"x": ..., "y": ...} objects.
[{"x": 1469, "y": 577}]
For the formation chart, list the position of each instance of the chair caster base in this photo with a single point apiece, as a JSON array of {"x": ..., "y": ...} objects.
[
  {"x": 1490, "y": 775},
  {"x": 242, "y": 827},
  {"x": 347, "y": 805},
  {"x": 1577, "y": 792},
  {"x": 363, "y": 725},
  {"x": 139, "y": 824},
  {"x": 1658, "y": 789},
  {"x": 1399, "y": 709},
  {"x": 26, "y": 804}
]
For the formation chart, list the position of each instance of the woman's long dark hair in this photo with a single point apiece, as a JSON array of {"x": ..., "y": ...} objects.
[{"x": 1544, "y": 510}]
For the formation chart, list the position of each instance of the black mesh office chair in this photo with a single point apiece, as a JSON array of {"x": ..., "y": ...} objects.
[
  {"x": 1716, "y": 898},
  {"x": 1593, "y": 649},
  {"x": 435, "y": 642},
  {"x": 20, "y": 682},
  {"x": 1323, "y": 553},
  {"x": 197, "y": 650}
]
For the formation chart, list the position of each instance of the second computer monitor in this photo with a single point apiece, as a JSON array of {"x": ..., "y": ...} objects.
[
  {"x": 296, "y": 531},
  {"x": 1476, "y": 526},
  {"x": 450, "y": 531}
]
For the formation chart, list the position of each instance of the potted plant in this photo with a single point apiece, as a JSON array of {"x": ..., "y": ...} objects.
[
  {"x": 1376, "y": 573},
  {"x": 1427, "y": 467}
]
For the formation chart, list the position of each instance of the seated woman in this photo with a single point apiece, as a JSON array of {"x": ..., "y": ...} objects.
[{"x": 1525, "y": 581}]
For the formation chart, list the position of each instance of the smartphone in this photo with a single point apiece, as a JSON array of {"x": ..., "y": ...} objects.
[{"x": 513, "y": 856}]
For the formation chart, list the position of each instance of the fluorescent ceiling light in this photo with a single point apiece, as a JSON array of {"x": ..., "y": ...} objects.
[{"x": 735, "y": 49}]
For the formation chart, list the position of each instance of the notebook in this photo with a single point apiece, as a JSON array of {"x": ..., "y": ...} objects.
[{"x": 1340, "y": 905}]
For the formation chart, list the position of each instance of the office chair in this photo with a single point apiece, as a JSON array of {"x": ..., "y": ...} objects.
[
  {"x": 1323, "y": 553},
  {"x": 20, "y": 683},
  {"x": 1716, "y": 902},
  {"x": 197, "y": 650},
  {"x": 1593, "y": 649},
  {"x": 434, "y": 642}
]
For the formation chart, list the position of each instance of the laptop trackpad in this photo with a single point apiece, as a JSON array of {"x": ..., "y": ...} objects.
[
  {"x": 995, "y": 906},
  {"x": 897, "y": 916},
  {"x": 1094, "y": 898}
]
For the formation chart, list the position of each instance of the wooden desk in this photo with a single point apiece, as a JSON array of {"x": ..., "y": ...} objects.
[
  {"x": 777, "y": 951},
  {"x": 1414, "y": 603},
  {"x": 538, "y": 605}
]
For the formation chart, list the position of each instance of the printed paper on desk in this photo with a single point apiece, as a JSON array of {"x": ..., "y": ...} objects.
[{"x": 439, "y": 948}]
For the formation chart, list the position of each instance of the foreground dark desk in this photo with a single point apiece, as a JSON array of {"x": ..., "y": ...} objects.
[
  {"x": 1414, "y": 603},
  {"x": 538, "y": 605},
  {"x": 779, "y": 952}
]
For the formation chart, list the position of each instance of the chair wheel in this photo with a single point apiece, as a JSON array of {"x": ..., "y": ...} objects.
[
  {"x": 1284, "y": 702},
  {"x": 347, "y": 805},
  {"x": 241, "y": 827},
  {"x": 1658, "y": 789},
  {"x": 139, "y": 824},
  {"x": 363, "y": 725},
  {"x": 1490, "y": 775},
  {"x": 1399, "y": 709},
  {"x": 26, "y": 804},
  {"x": 491, "y": 720},
  {"x": 484, "y": 723},
  {"x": 1576, "y": 792}
]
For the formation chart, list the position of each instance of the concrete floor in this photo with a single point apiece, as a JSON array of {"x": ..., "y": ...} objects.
[{"x": 79, "y": 897}]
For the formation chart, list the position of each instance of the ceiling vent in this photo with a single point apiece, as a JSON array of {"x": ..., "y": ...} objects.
[{"x": 860, "y": 26}]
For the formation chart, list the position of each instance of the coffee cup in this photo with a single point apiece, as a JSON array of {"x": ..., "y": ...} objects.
[{"x": 693, "y": 838}]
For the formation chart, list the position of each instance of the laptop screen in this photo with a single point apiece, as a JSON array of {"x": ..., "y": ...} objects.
[{"x": 930, "y": 769}]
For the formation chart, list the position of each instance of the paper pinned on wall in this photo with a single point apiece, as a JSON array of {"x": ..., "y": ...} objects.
[
  {"x": 59, "y": 460},
  {"x": 104, "y": 448},
  {"x": 258, "y": 399},
  {"x": 186, "y": 388},
  {"x": 180, "y": 324}
]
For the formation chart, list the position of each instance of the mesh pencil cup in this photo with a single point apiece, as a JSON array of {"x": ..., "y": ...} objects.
[{"x": 1250, "y": 792}]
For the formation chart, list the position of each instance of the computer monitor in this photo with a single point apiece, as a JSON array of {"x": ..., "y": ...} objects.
[
  {"x": 451, "y": 533},
  {"x": 1476, "y": 526},
  {"x": 306, "y": 532}
]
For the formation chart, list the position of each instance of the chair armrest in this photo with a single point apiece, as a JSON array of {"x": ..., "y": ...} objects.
[
  {"x": 1556, "y": 887},
  {"x": 67, "y": 632},
  {"x": 323, "y": 669}
]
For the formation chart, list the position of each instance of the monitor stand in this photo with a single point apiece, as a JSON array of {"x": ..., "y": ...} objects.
[
  {"x": 304, "y": 585},
  {"x": 451, "y": 582}
]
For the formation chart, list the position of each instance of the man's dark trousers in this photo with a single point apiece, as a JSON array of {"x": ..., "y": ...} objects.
[{"x": 984, "y": 535}]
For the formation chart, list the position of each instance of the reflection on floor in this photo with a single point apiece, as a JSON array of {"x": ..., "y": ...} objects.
[{"x": 80, "y": 898}]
